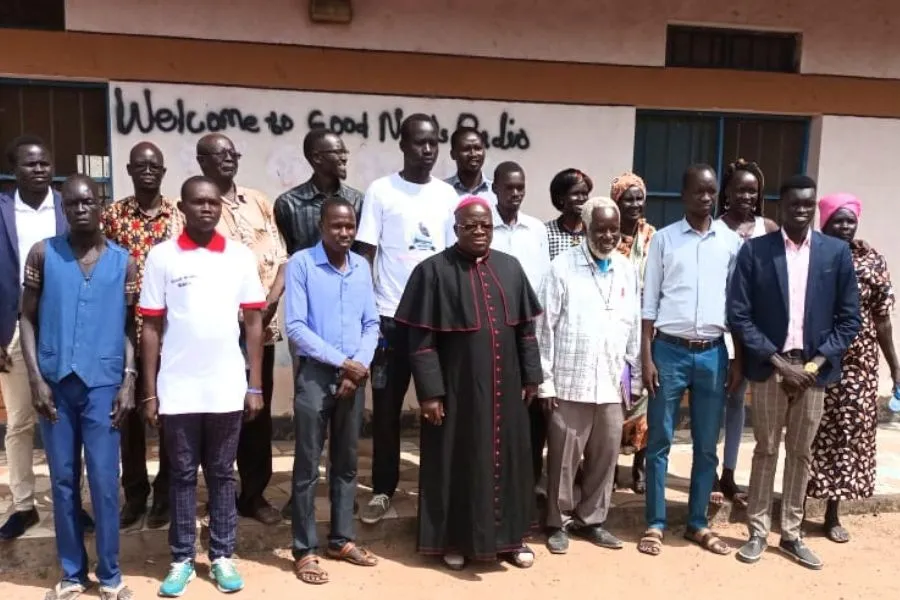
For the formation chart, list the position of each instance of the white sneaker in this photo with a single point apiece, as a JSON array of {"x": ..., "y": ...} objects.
[{"x": 375, "y": 509}]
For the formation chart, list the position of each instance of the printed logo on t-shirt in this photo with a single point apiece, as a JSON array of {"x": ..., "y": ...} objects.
[{"x": 422, "y": 239}]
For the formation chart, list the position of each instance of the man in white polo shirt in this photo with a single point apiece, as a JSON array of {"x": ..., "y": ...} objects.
[
  {"x": 194, "y": 287},
  {"x": 406, "y": 218}
]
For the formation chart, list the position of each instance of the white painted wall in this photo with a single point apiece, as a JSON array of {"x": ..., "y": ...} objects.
[
  {"x": 860, "y": 156},
  {"x": 851, "y": 37},
  {"x": 547, "y": 139}
]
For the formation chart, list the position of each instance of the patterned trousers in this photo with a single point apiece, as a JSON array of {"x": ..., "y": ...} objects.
[
  {"x": 207, "y": 440},
  {"x": 772, "y": 411}
]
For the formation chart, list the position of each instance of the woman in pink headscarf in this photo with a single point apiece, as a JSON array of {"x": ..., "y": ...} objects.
[{"x": 843, "y": 453}]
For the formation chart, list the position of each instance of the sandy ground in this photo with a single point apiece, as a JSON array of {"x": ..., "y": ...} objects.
[{"x": 864, "y": 568}]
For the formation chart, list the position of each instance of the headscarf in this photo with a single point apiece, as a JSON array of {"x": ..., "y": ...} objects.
[
  {"x": 623, "y": 182},
  {"x": 828, "y": 205}
]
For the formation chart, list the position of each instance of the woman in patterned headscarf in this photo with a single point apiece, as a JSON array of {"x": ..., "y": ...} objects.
[
  {"x": 630, "y": 194},
  {"x": 843, "y": 453}
]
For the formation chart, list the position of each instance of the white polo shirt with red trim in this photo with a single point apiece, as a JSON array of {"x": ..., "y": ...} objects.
[{"x": 200, "y": 291}]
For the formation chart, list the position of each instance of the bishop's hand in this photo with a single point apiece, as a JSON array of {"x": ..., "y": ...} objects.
[{"x": 433, "y": 411}]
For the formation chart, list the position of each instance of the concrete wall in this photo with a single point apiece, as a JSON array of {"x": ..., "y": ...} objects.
[
  {"x": 858, "y": 155},
  {"x": 851, "y": 37}
]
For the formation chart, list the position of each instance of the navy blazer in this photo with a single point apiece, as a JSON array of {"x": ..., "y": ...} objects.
[
  {"x": 10, "y": 288},
  {"x": 758, "y": 304}
]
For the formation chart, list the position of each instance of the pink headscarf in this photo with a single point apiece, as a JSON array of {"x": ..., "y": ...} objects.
[
  {"x": 828, "y": 205},
  {"x": 470, "y": 200},
  {"x": 623, "y": 182}
]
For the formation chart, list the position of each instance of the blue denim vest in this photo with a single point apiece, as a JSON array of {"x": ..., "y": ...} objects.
[{"x": 81, "y": 320}]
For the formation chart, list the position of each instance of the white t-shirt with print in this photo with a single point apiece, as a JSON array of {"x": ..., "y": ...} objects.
[
  {"x": 407, "y": 222},
  {"x": 199, "y": 291}
]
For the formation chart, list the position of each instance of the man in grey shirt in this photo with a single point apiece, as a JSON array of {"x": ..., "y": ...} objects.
[{"x": 688, "y": 267}]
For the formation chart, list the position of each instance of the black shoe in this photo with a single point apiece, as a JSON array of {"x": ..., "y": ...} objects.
[
  {"x": 263, "y": 512},
  {"x": 131, "y": 513},
  {"x": 287, "y": 511},
  {"x": 18, "y": 523},
  {"x": 639, "y": 472},
  {"x": 158, "y": 515},
  {"x": 797, "y": 550},
  {"x": 558, "y": 541},
  {"x": 87, "y": 522},
  {"x": 599, "y": 537},
  {"x": 753, "y": 550}
]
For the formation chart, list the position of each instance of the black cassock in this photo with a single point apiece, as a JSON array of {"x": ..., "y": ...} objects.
[{"x": 472, "y": 344}]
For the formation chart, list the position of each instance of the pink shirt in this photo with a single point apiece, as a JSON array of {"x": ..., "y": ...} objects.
[{"x": 797, "y": 273}]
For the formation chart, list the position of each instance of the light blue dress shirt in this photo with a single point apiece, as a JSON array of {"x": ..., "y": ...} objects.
[
  {"x": 330, "y": 315},
  {"x": 686, "y": 279}
]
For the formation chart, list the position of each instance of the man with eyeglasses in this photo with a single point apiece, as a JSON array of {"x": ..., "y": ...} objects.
[
  {"x": 138, "y": 223},
  {"x": 248, "y": 218}
]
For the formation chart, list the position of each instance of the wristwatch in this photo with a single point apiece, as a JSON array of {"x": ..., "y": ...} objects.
[{"x": 811, "y": 367}]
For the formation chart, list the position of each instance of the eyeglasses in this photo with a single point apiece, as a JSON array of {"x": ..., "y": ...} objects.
[
  {"x": 224, "y": 154},
  {"x": 470, "y": 227},
  {"x": 152, "y": 168}
]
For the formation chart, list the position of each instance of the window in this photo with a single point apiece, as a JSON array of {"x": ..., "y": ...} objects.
[
  {"x": 72, "y": 119},
  {"x": 33, "y": 14},
  {"x": 666, "y": 143},
  {"x": 708, "y": 48}
]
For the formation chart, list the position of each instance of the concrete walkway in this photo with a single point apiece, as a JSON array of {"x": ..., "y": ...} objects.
[{"x": 37, "y": 547}]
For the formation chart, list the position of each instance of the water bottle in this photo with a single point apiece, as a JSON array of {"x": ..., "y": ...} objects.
[
  {"x": 894, "y": 403},
  {"x": 379, "y": 366}
]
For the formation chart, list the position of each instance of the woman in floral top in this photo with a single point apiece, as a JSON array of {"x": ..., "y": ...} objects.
[{"x": 630, "y": 193}]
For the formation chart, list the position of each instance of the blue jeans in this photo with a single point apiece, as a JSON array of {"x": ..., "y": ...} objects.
[
  {"x": 734, "y": 424},
  {"x": 316, "y": 412},
  {"x": 84, "y": 423},
  {"x": 704, "y": 374}
]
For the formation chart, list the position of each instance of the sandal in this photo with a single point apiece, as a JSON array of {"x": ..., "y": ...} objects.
[
  {"x": 651, "y": 542},
  {"x": 65, "y": 590},
  {"x": 706, "y": 539},
  {"x": 353, "y": 554},
  {"x": 123, "y": 592},
  {"x": 837, "y": 534},
  {"x": 308, "y": 570},
  {"x": 522, "y": 558}
]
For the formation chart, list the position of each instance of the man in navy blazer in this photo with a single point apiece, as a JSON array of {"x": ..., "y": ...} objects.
[
  {"x": 30, "y": 214},
  {"x": 794, "y": 308}
]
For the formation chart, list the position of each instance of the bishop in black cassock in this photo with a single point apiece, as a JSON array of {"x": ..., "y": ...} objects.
[{"x": 470, "y": 314}]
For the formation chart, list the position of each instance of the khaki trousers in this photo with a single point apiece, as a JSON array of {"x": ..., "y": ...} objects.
[
  {"x": 772, "y": 411},
  {"x": 591, "y": 430},
  {"x": 20, "y": 421}
]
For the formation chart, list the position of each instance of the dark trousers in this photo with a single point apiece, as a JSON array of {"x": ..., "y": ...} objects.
[
  {"x": 135, "y": 480},
  {"x": 538, "y": 438},
  {"x": 84, "y": 423},
  {"x": 387, "y": 407},
  {"x": 254, "y": 453},
  {"x": 315, "y": 411},
  {"x": 207, "y": 440}
]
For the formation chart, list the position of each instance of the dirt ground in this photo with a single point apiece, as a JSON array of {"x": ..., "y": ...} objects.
[{"x": 865, "y": 568}]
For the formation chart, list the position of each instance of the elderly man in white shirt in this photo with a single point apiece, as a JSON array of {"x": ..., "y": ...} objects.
[{"x": 589, "y": 332}]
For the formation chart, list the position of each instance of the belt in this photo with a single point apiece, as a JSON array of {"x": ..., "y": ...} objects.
[{"x": 692, "y": 345}]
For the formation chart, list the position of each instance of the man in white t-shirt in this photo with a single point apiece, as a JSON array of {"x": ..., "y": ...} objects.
[
  {"x": 194, "y": 286},
  {"x": 406, "y": 218}
]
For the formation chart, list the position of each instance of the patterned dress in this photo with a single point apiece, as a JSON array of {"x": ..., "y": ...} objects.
[
  {"x": 843, "y": 453},
  {"x": 634, "y": 430},
  {"x": 560, "y": 239}
]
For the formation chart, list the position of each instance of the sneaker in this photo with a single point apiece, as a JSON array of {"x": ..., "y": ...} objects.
[
  {"x": 799, "y": 551},
  {"x": 375, "y": 509},
  {"x": 225, "y": 574},
  {"x": 753, "y": 550},
  {"x": 180, "y": 575}
]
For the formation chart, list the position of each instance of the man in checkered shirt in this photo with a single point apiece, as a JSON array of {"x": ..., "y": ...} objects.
[{"x": 588, "y": 335}]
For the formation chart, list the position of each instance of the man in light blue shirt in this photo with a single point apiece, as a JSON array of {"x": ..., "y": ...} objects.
[
  {"x": 467, "y": 149},
  {"x": 689, "y": 264},
  {"x": 333, "y": 324}
]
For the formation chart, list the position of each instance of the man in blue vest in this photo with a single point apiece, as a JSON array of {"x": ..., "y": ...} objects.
[
  {"x": 77, "y": 336},
  {"x": 32, "y": 212}
]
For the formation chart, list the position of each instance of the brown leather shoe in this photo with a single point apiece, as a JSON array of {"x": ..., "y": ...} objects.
[{"x": 265, "y": 513}]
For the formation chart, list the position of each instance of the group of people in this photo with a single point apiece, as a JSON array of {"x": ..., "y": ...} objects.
[{"x": 582, "y": 335}]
